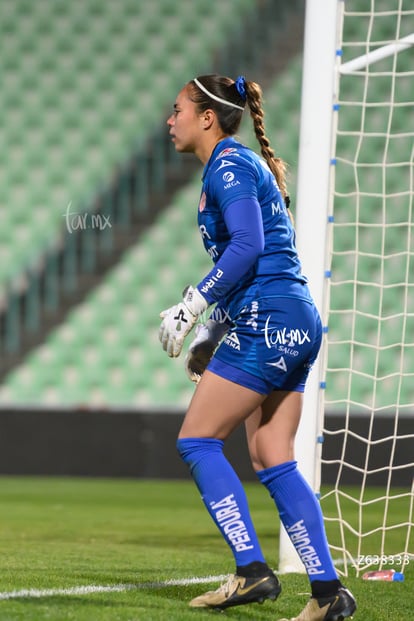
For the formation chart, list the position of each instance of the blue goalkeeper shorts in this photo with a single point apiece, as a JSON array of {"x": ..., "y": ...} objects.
[{"x": 272, "y": 345}]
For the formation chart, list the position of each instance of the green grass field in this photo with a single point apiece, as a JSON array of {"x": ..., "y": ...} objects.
[{"x": 128, "y": 541}]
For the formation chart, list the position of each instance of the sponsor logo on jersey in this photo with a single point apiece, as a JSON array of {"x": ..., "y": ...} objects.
[
  {"x": 254, "y": 315},
  {"x": 202, "y": 203},
  {"x": 226, "y": 152},
  {"x": 232, "y": 340},
  {"x": 203, "y": 232},
  {"x": 213, "y": 252},
  {"x": 211, "y": 281},
  {"x": 285, "y": 340},
  {"x": 230, "y": 180},
  {"x": 277, "y": 209},
  {"x": 228, "y": 176},
  {"x": 224, "y": 164},
  {"x": 279, "y": 364}
]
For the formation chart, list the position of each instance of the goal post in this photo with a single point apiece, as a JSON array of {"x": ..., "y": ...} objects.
[
  {"x": 363, "y": 61},
  {"x": 355, "y": 235},
  {"x": 311, "y": 220}
]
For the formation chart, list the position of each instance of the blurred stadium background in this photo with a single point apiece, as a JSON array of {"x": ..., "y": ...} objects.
[{"x": 98, "y": 214}]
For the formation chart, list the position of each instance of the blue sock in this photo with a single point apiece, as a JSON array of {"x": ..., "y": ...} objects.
[
  {"x": 223, "y": 496},
  {"x": 302, "y": 518}
]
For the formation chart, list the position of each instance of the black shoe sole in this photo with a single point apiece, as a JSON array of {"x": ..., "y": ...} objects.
[
  {"x": 344, "y": 614},
  {"x": 259, "y": 599}
]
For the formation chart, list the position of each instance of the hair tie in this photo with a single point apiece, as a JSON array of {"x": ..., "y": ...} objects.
[{"x": 241, "y": 86}]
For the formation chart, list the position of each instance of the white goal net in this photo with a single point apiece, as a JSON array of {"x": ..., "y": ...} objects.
[{"x": 368, "y": 359}]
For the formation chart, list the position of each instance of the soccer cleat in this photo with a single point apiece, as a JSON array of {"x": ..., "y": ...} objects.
[
  {"x": 337, "y": 607},
  {"x": 238, "y": 590}
]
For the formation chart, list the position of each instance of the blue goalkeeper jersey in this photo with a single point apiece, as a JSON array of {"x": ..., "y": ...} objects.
[{"x": 246, "y": 230}]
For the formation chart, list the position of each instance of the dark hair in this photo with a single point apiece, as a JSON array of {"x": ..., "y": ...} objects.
[{"x": 230, "y": 118}]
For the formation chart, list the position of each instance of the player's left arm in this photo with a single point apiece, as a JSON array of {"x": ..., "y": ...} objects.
[{"x": 243, "y": 219}]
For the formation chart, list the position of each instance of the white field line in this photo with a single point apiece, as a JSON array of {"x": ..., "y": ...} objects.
[{"x": 110, "y": 588}]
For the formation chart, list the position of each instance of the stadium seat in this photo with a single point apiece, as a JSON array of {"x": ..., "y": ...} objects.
[
  {"x": 82, "y": 83},
  {"x": 107, "y": 351}
]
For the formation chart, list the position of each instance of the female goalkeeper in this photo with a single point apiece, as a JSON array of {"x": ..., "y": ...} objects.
[{"x": 262, "y": 337}]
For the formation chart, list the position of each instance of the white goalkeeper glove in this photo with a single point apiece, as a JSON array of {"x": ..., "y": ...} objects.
[
  {"x": 179, "y": 320},
  {"x": 202, "y": 347}
]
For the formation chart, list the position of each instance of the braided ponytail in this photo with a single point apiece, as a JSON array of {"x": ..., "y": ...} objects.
[
  {"x": 276, "y": 164},
  {"x": 228, "y": 98}
]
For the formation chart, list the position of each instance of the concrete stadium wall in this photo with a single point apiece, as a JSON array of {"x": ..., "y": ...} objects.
[{"x": 109, "y": 443}]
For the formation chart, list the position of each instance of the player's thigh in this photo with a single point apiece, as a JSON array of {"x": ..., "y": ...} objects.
[{"x": 217, "y": 407}]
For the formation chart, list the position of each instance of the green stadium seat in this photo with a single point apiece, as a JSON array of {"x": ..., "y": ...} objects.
[
  {"x": 88, "y": 80},
  {"x": 107, "y": 351}
]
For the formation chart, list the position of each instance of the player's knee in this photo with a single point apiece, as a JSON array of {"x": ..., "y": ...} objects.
[
  {"x": 193, "y": 450},
  {"x": 256, "y": 464}
]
